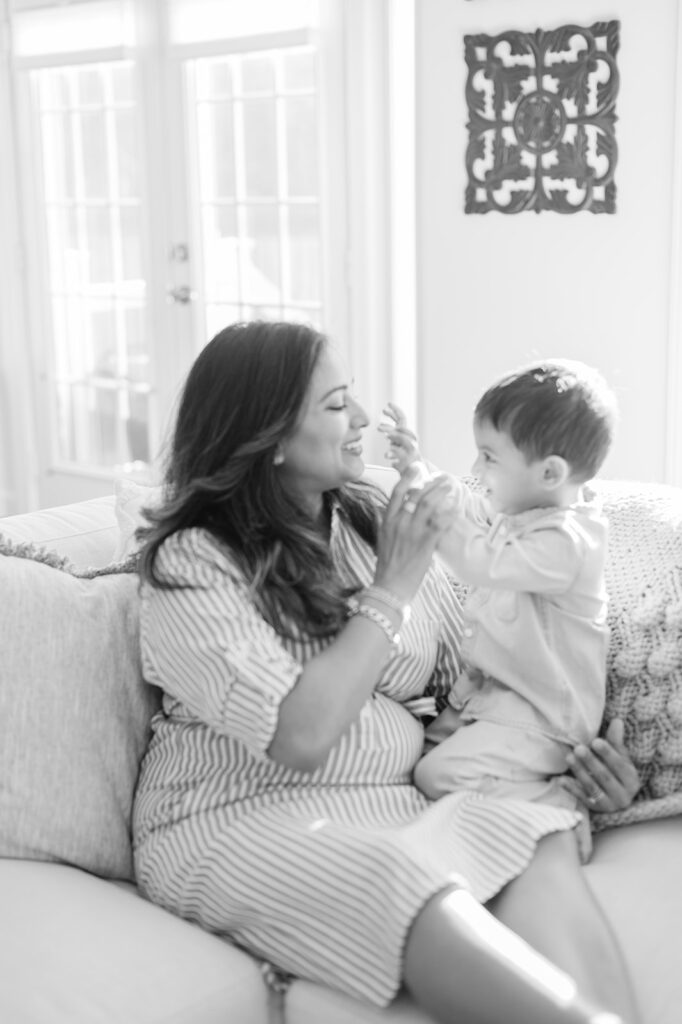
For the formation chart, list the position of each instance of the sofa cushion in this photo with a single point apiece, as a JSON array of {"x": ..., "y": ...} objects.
[
  {"x": 74, "y": 711},
  {"x": 77, "y": 950},
  {"x": 644, "y": 685}
]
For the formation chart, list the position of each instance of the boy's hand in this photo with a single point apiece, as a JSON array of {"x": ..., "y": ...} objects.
[{"x": 403, "y": 446}]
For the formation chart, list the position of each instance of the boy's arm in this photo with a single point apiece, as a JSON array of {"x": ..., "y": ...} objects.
[
  {"x": 403, "y": 445},
  {"x": 404, "y": 451},
  {"x": 541, "y": 561}
]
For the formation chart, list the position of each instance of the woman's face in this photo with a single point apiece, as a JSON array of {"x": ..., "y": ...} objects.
[{"x": 325, "y": 449}]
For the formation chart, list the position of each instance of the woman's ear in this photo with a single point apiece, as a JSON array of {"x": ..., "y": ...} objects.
[{"x": 555, "y": 472}]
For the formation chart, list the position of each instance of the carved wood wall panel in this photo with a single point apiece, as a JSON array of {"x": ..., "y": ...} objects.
[{"x": 542, "y": 115}]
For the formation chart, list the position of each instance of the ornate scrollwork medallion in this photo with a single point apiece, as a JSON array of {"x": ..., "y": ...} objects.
[{"x": 542, "y": 115}]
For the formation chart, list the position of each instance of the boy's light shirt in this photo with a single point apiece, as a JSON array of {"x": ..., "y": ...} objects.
[{"x": 535, "y": 619}]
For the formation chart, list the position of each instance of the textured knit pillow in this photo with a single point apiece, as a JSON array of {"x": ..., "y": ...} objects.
[
  {"x": 644, "y": 686},
  {"x": 74, "y": 710}
]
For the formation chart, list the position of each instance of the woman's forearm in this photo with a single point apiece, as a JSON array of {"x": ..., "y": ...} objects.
[
  {"x": 329, "y": 694},
  {"x": 336, "y": 683}
]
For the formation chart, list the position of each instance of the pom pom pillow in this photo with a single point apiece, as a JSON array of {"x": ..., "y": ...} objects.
[
  {"x": 644, "y": 685},
  {"x": 74, "y": 710}
]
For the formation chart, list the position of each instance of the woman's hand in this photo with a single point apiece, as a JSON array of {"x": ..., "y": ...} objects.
[
  {"x": 603, "y": 775},
  {"x": 413, "y": 523}
]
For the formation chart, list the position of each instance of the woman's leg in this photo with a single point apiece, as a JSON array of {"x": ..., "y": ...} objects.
[
  {"x": 552, "y": 906},
  {"x": 462, "y": 965}
]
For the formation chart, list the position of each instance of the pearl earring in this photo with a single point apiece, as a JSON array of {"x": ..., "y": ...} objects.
[{"x": 278, "y": 459}]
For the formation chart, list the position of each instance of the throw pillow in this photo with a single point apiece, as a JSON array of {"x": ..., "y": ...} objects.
[
  {"x": 74, "y": 710},
  {"x": 644, "y": 685},
  {"x": 130, "y": 498}
]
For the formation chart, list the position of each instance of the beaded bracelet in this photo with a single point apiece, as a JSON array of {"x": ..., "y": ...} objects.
[
  {"x": 378, "y": 618},
  {"x": 389, "y": 599}
]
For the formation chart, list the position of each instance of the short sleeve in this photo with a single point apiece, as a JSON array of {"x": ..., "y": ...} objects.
[{"x": 205, "y": 643}]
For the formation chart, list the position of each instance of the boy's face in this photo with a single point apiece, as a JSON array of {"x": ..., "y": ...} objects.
[{"x": 512, "y": 484}]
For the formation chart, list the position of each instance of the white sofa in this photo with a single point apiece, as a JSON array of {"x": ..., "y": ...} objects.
[{"x": 76, "y": 948}]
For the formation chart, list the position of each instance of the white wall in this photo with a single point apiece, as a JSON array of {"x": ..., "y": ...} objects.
[{"x": 495, "y": 290}]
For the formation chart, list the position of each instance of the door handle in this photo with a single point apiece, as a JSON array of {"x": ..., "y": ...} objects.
[{"x": 181, "y": 293}]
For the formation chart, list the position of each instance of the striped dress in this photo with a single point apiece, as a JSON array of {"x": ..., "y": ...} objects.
[{"x": 319, "y": 873}]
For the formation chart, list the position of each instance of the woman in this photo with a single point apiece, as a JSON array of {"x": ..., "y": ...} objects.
[{"x": 275, "y": 802}]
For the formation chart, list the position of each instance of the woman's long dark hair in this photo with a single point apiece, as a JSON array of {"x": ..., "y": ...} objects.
[{"x": 243, "y": 395}]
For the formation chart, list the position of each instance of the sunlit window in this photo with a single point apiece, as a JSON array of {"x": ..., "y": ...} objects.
[
  {"x": 226, "y": 181},
  {"x": 256, "y": 183},
  {"x": 88, "y": 130}
]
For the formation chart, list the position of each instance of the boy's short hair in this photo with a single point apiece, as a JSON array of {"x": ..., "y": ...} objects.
[{"x": 557, "y": 407}]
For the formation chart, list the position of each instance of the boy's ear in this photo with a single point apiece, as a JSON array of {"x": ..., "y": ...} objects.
[{"x": 555, "y": 471}]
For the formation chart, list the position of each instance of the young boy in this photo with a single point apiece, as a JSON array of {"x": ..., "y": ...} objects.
[{"x": 532, "y": 548}]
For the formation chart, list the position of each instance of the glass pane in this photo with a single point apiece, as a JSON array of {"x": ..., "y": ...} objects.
[
  {"x": 260, "y": 147},
  {"x": 122, "y": 83},
  {"x": 99, "y": 243},
  {"x": 301, "y": 134},
  {"x": 221, "y": 254},
  {"x": 103, "y": 360},
  {"x": 94, "y": 164},
  {"x": 100, "y": 425},
  {"x": 303, "y": 315},
  {"x": 299, "y": 71},
  {"x": 58, "y": 156},
  {"x": 263, "y": 312},
  {"x": 137, "y": 428},
  {"x": 88, "y": 426},
  {"x": 89, "y": 88},
  {"x": 62, "y": 238},
  {"x": 131, "y": 243},
  {"x": 62, "y": 326},
  {"x": 214, "y": 79},
  {"x": 137, "y": 357},
  {"x": 54, "y": 90},
  {"x": 127, "y": 155},
  {"x": 258, "y": 75},
  {"x": 216, "y": 150},
  {"x": 260, "y": 263},
  {"x": 219, "y": 316},
  {"x": 304, "y": 253}
]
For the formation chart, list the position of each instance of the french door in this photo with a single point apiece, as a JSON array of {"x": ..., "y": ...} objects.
[{"x": 175, "y": 181}]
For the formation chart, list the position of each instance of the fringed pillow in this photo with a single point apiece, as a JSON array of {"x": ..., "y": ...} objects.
[{"x": 74, "y": 710}]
